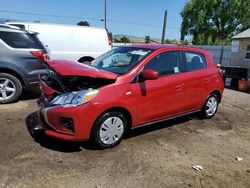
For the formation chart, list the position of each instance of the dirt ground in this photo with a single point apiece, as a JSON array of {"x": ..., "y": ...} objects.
[{"x": 161, "y": 155}]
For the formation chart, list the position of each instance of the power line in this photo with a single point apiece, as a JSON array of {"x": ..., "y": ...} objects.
[
  {"x": 133, "y": 23},
  {"x": 86, "y": 18},
  {"x": 142, "y": 24},
  {"x": 47, "y": 15}
]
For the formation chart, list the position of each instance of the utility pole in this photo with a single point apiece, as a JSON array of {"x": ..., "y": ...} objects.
[
  {"x": 105, "y": 14},
  {"x": 164, "y": 26}
]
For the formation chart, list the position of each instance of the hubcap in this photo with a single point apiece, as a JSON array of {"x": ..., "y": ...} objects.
[
  {"x": 111, "y": 130},
  {"x": 7, "y": 88},
  {"x": 211, "y": 106}
]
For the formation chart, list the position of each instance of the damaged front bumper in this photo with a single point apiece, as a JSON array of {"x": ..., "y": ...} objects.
[
  {"x": 70, "y": 122},
  {"x": 34, "y": 125}
]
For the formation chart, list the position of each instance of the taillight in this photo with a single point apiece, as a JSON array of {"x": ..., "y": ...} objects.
[
  {"x": 109, "y": 39},
  {"x": 221, "y": 69},
  {"x": 43, "y": 56}
]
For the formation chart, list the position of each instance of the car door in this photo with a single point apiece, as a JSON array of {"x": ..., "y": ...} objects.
[
  {"x": 160, "y": 98},
  {"x": 197, "y": 80}
]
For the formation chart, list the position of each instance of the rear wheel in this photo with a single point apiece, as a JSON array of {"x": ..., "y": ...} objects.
[
  {"x": 210, "y": 107},
  {"x": 85, "y": 60},
  {"x": 10, "y": 88},
  {"x": 109, "y": 129}
]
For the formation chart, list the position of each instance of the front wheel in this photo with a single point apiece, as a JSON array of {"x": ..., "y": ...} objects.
[
  {"x": 10, "y": 88},
  {"x": 210, "y": 107},
  {"x": 109, "y": 129}
]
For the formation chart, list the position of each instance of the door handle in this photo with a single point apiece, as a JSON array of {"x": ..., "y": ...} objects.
[
  {"x": 179, "y": 87},
  {"x": 207, "y": 80}
]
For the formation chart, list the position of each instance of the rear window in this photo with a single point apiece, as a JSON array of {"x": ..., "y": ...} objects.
[
  {"x": 21, "y": 40},
  {"x": 195, "y": 61}
]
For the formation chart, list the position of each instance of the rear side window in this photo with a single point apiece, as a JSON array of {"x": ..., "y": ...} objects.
[
  {"x": 194, "y": 61},
  {"x": 21, "y": 40},
  {"x": 165, "y": 63}
]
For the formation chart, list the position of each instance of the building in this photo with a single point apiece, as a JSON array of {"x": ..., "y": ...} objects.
[{"x": 241, "y": 49}]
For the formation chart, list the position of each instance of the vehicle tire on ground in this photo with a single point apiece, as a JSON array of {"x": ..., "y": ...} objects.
[
  {"x": 109, "y": 129},
  {"x": 10, "y": 88},
  {"x": 210, "y": 107}
]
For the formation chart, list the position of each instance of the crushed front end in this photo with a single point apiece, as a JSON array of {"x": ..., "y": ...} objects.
[{"x": 65, "y": 108}]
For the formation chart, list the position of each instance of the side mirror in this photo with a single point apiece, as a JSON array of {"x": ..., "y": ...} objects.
[{"x": 149, "y": 74}]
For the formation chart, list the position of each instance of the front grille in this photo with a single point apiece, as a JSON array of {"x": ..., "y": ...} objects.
[{"x": 67, "y": 123}]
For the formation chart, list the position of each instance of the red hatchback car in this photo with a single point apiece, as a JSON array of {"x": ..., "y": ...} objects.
[{"x": 126, "y": 88}]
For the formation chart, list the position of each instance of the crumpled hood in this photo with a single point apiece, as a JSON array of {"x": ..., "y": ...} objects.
[{"x": 70, "y": 68}]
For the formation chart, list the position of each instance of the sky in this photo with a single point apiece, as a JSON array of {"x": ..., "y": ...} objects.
[{"x": 129, "y": 17}]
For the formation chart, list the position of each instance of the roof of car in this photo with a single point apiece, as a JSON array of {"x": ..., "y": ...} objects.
[
  {"x": 7, "y": 28},
  {"x": 165, "y": 46}
]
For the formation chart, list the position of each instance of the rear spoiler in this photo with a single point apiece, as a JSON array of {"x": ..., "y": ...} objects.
[{"x": 32, "y": 32}]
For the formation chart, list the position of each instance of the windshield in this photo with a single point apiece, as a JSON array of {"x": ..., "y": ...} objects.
[{"x": 120, "y": 60}]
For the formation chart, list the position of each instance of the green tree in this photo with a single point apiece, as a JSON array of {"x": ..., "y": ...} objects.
[
  {"x": 117, "y": 40},
  {"x": 125, "y": 39},
  {"x": 168, "y": 41},
  {"x": 214, "y": 21},
  {"x": 83, "y": 23},
  {"x": 185, "y": 42}
]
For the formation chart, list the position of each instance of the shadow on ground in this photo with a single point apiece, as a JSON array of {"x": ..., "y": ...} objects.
[
  {"x": 158, "y": 126},
  {"x": 59, "y": 145},
  {"x": 236, "y": 89},
  {"x": 30, "y": 93},
  {"x": 66, "y": 146}
]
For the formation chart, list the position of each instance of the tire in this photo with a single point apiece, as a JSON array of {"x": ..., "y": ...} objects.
[
  {"x": 109, "y": 129},
  {"x": 210, "y": 107},
  {"x": 10, "y": 88}
]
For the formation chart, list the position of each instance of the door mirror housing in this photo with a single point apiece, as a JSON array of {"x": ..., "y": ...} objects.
[{"x": 149, "y": 74}]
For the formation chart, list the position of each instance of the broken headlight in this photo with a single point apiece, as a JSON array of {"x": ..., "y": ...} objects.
[{"x": 74, "y": 98}]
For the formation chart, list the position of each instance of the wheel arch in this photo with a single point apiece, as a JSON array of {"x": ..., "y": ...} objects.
[
  {"x": 86, "y": 58},
  {"x": 218, "y": 93},
  {"x": 123, "y": 110},
  {"x": 12, "y": 72}
]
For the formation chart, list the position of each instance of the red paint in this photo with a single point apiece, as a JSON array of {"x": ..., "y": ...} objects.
[
  {"x": 109, "y": 41},
  {"x": 46, "y": 89},
  {"x": 68, "y": 68},
  {"x": 149, "y": 74},
  {"x": 153, "y": 99},
  {"x": 43, "y": 56},
  {"x": 243, "y": 85}
]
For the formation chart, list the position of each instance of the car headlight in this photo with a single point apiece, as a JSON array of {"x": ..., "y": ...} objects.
[{"x": 75, "y": 98}]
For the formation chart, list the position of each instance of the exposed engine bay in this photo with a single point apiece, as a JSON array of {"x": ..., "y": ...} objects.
[
  {"x": 64, "y": 84},
  {"x": 72, "y": 84}
]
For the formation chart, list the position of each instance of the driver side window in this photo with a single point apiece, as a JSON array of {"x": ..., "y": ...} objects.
[{"x": 165, "y": 63}]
